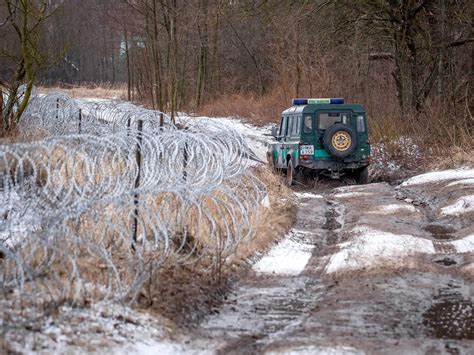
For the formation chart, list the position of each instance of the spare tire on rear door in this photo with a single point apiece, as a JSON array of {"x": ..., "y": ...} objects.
[{"x": 340, "y": 140}]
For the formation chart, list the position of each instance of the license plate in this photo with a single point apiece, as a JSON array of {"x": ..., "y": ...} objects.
[{"x": 307, "y": 150}]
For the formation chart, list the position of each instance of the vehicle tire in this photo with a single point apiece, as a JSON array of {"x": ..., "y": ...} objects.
[
  {"x": 340, "y": 140},
  {"x": 363, "y": 176}
]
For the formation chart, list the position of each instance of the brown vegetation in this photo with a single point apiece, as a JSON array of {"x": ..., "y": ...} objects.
[
  {"x": 409, "y": 63},
  {"x": 186, "y": 292},
  {"x": 93, "y": 90}
]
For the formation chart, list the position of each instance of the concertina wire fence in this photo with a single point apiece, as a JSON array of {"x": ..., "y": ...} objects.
[{"x": 114, "y": 191}]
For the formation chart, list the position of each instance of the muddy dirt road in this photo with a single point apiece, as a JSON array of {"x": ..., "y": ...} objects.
[{"x": 372, "y": 269}]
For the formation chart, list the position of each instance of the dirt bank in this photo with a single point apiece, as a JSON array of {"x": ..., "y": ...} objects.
[{"x": 366, "y": 269}]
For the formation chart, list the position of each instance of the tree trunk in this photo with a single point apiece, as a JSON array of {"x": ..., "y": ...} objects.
[
  {"x": 127, "y": 59},
  {"x": 298, "y": 61},
  {"x": 203, "y": 50}
]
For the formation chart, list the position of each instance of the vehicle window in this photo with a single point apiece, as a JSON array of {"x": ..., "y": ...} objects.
[
  {"x": 294, "y": 130},
  {"x": 308, "y": 124},
  {"x": 290, "y": 126},
  {"x": 344, "y": 118},
  {"x": 283, "y": 126},
  {"x": 360, "y": 124},
  {"x": 298, "y": 126},
  {"x": 328, "y": 119}
]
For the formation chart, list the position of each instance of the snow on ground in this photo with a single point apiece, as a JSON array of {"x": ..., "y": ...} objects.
[
  {"x": 372, "y": 248},
  {"x": 288, "y": 257},
  {"x": 436, "y": 176},
  {"x": 353, "y": 194},
  {"x": 17, "y": 220},
  {"x": 153, "y": 347},
  {"x": 257, "y": 138},
  {"x": 462, "y": 182},
  {"x": 307, "y": 195},
  {"x": 350, "y": 188},
  {"x": 464, "y": 245},
  {"x": 462, "y": 205},
  {"x": 394, "y": 208},
  {"x": 310, "y": 350},
  {"x": 390, "y": 158},
  {"x": 72, "y": 330}
]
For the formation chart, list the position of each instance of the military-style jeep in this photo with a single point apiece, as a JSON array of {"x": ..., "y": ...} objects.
[{"x": 322, "y": 136}]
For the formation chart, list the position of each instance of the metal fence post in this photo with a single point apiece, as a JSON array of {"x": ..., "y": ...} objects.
[
  {"x": 136, "y": 197},
  {"x": 128, "y": 125},
  {"x": 185, "y": 161},
  {"x": 80, "y": 121}
]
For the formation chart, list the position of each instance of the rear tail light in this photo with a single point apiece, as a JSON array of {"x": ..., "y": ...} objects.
[{"x": 305, "y": 157}]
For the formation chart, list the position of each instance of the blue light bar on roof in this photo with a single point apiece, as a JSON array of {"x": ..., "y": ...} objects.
[
  {"x": 337, "y": 101},
  {"x": 332, "y": 101},
  {"x": 297, "y": 102}
]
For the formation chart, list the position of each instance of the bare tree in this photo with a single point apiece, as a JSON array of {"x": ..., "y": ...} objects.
[{"x": 24, "y": 18}]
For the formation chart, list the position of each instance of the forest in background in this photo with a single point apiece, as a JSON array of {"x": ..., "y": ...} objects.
[{"x": 411, "y": 63}]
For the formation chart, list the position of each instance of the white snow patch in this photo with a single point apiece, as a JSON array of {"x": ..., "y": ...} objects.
[
  {"x": 464, "y": 245},
  {"x": 391, "y": 157},
  {"x": 17, "y": 220},
  {"x": 462, "y": 182},
  {"x": 352, "y": 194},
  {"x": 307, "y": 195},
  {"x": 388, "y": 209},
  {"x": 435, "y": 176},
  {"x": 106, "y": 326},
  {"x": 371, "y": 247},
  {"x": 155, "y": 347},
  {"x": 462, "y": 205},
  {"x": 289, "y": 257},
  {"x": 257, "y": 138},
  {"x": 266, "y": 202},
  {"x": 351, "y": 188},
  {"x": 320, "y": 350},
  {"x": 301, "y": 232}
]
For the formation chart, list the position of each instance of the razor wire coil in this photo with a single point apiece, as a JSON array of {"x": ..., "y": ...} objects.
[{"x": 120, "y": 186}]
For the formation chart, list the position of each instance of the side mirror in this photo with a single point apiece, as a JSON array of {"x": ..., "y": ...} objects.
[{"x": 274, "y": 131}]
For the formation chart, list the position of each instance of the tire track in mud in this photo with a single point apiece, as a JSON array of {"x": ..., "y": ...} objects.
[
  {"x": 380, "y": 313},
  {"x": 264, "y": 307},
  {"x": 440, "y": 232}
]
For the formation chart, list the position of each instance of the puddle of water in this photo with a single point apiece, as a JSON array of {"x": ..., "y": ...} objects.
[
  {"x": 446, "y": 261},
  {"x": 440, "y": 232},
  {"x": 334, "y": 218},
  {"x": 450, "y": 319}
]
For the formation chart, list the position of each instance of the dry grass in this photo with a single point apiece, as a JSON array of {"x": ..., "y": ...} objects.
[
  {"x": 185, "y": 293},
  {"x": 107, "y": 228},
  {"x": 453, "y": 157},
  {"x": 446, "y": 138},
  {"x": 256, "y": 109},
  {"x": 102, "y": 90},
  {"x": 272, "y": 223}
]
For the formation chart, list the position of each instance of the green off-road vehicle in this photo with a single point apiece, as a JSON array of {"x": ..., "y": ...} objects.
[{"x": 322, "y": 137}]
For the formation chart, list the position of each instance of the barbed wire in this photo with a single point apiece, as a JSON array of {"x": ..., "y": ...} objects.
[{"x": 109, "y": 204}]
